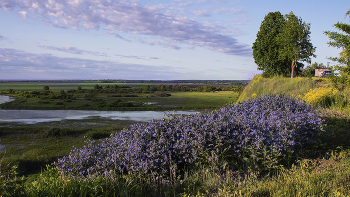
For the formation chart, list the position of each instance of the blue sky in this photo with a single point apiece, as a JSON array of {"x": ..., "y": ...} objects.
[{"x": 147, "y": 39}]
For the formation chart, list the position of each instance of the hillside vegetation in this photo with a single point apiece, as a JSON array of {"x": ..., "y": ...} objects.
[{"x": 321, "y": 93}]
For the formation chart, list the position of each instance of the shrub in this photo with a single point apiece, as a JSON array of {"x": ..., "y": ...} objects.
[
  {"x": 98, "y": 134},
  {"x": 163, "y": 94},
  {"x": 257, "y": 134},
  {"x": 321, "y": 96}
]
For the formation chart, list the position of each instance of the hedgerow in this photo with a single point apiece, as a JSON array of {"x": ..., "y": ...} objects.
[{"x": 258, "y": 134}]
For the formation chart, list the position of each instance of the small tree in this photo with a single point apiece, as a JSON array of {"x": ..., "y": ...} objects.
[
  {"x": 46, "y": 88},
  {"x": 97, "y": 87},
  {"x": 341, "y": 41}
]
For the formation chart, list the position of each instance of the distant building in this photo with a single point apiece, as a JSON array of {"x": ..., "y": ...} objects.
[{"x": 319, "y": 71}]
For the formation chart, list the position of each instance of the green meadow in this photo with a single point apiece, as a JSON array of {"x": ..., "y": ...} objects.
[
  {"x": 125, "y": 97},
  {"x": 320, "y": 170}
]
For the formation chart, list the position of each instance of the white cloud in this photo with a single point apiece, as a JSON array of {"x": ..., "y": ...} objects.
[
  {"x": 124, "y": 16},
  {"x": 73, "y": 50},
  {"x": 201, "y": 13},
  {"x": 23, "y": 14},
  {"x": 137, "y": 57},
  {"x": 16, "y": 64}
]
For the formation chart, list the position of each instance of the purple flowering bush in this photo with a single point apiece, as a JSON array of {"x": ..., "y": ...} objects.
[{"x": 256, "y": 134}]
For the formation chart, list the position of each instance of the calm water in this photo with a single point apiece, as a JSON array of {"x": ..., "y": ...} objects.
[
  {"x": 37, "y": 116},
  {"x": 4, "y": 99}
]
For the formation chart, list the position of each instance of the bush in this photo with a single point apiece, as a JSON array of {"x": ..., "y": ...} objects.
[
  {"x": 163, "y": 94},
  {"x": 97, "y": 134},
  {"x": 255, "y": 135},
  {"x": 321, "y": 96}
]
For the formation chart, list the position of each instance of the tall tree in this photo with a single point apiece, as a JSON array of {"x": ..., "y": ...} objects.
[
  {"x": 266, "y": 48},
  {"x": 295, "y": 41},
  {"x": 282, "y": 41},
  {"x": 342, "y": 41}
]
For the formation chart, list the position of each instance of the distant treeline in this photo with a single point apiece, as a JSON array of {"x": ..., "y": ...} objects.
[
  {"x": 162, "y": 88},
  {"x": 124, "y": 91}
]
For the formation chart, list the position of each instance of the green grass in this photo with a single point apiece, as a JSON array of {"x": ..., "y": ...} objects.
[
  {"x": 320, "y": 170},
  {"x": 204, "y": 99},
  {"x": 177, "y": 101},
  {"x": 32, "y": 147},
  {"x": 260, "y": 86}
]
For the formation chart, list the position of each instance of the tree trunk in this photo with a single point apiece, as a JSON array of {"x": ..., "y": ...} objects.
[{"x": 293, "y": 65}]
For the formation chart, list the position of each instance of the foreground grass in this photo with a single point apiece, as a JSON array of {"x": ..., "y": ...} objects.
[{"x": 318, "y": 177}]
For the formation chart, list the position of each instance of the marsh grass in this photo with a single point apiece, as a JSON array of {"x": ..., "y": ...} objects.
[
  {"x": 32, "y": 147},
  {"x": 104, "y": 101}
]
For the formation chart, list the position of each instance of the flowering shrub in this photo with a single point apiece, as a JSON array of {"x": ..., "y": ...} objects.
[
  {"x": 255, "y": 134},
  {"x": 321, "y": 96}
]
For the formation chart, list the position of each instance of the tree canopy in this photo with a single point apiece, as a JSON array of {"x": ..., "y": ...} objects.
[
  {"x": 281, "y": 43},
  {"x": 342, "y": 41}
]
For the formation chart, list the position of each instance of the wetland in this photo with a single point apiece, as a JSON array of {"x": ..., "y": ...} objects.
[{"x": 41, "y": 122}]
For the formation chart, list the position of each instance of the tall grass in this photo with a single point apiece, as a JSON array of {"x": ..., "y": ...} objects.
[
  {"x": 278, "y": 85},
  {"x": 329, "y": 176},
  {"x": 321, "y": 93}
]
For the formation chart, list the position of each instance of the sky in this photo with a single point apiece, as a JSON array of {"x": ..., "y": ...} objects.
[{"x": 148, "y": 39}]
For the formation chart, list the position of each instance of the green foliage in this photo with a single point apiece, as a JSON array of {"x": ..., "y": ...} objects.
[
  {"x": 309, "y": 71},
  {"x": 281, "y": 42},
  {"x": 46, "y": 88},
  {"x": 11, "y": 91},
  {"x": 342, "y": 41},
  {"x": 295, "y": 39},
  {"x": 266, "y": 48},
  {"x": 98, "y": 134}
]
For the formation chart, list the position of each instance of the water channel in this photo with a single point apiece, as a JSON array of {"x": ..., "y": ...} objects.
[{"x": 37, "y": 116}]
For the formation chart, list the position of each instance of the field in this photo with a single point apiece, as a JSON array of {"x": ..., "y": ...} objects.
[{"x": 317, "y": 169}]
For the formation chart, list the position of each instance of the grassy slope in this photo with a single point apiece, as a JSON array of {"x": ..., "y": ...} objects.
[{"x": 260, "y": 86}]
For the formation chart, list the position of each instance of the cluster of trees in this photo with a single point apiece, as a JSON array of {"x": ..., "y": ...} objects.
[
  {"x": 283, "y": 44},
  {"x": 46, "y": 94}
]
